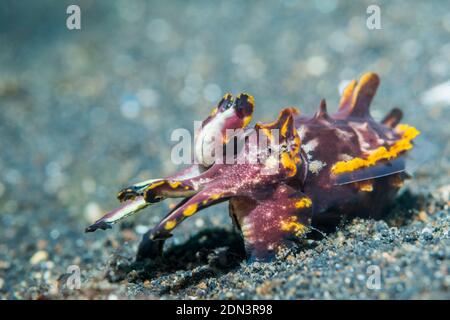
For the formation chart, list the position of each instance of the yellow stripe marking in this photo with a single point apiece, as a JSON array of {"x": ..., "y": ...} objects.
[
  {"x": 267, "y": 132},
  {"x": 212, "y": 198},
  {"x": 381, "y": 153},
  {"x": 227, "y": 96},
  {"x": 288, "y": 164},
  {"x": 213, "y": 112},
  {"x": 190, "y": 210},
  {"x": 170, "y": 224},
  {"x": 246, "y": 121},
  {"x": 303, "y": 203},
  {"x": 156, "y": 184},
  {"x": 284, "y": 128},
  {"x": 347, "y": 94},
  {"x": 363, "y": 82},
  {"x": 292, "y": 225},
  {"x": 365, "y": 186},
  {"x": 215, "y": 196},
  {"x": 174, "y": 184}
]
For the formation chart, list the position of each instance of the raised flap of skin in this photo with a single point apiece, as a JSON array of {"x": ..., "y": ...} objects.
[{"x": 381, "y": 169}]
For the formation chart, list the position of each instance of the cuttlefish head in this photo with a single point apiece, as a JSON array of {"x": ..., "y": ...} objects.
[
  {"x": 260, "y": 169},
  {"x": 269, "y": 157}
]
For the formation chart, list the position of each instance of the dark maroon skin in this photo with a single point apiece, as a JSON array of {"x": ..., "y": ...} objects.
[{"x": 273, "y": 209}]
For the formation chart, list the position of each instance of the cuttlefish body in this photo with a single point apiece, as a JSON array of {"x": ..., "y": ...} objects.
[{"x": 284, "y": 178}]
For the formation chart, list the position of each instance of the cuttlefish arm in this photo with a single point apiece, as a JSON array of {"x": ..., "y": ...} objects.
[
  {"x": 138, "y": 189},
  {"x": 261, "y": 202},
  {"x": 230, "y": 113},
  {"x": 134, "y": 200},
  {"x": 150, "y": 193},
  {"x": 211, "y": 195}
]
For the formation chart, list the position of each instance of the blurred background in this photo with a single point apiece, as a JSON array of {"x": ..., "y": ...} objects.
[{"x": 86, "y": 112}]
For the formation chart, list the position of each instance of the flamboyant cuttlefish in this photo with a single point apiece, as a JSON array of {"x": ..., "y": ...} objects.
[{"x": 312, "y": 171}]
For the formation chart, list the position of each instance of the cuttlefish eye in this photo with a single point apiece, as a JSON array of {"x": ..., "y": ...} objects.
[
  {"x": 243, "y": 104},
  {"x": 226, "y": 103}
]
